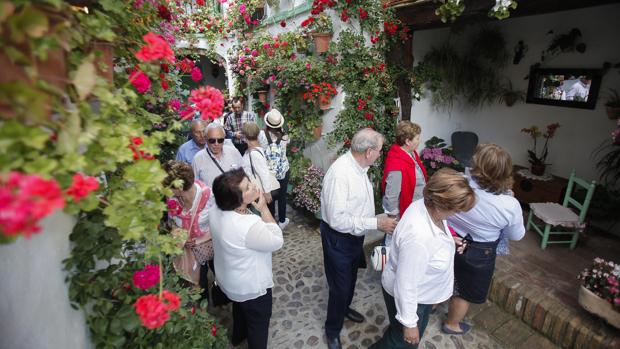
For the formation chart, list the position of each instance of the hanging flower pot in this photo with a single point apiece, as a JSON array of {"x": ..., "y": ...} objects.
[
  {"x": 317, "y": 132},
  {"x": 104, "y": 59},
  {"x": 325, "y": 103},
  {"x": 321, "y": 41},
  {"x": 598, "y": 306}
]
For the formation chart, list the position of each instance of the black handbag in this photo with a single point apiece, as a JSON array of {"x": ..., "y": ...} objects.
[{"x": 218, "y": 296}]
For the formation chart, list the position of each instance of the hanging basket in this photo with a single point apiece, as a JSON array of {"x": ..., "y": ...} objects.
[
  {"x": 321, "y": 41},
  {"x": 613, "y": 112},
  {"x": 598, "y": 306}
]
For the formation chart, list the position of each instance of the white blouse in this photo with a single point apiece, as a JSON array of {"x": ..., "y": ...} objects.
[
  {"x": 347, "y": 198},
  {"x": 243, "y": 244},
  {"x": 261, "y": 169},
  {"x": 420, "y": 269}
]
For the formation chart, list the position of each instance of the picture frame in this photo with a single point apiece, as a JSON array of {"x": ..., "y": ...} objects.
[{"x": 572, "y": 88}]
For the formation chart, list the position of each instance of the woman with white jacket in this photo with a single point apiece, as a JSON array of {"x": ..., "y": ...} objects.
[{"x": 243, "y": 243}]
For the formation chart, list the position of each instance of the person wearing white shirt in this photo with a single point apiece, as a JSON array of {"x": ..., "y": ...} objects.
[
  {"x": 420, "y": 269},
  {"x": 497, "y": 215},
  {"x": 348, "y": 212},
  {"x": 255, "y": 163},
  {"x": 243, "y": 244},
  {"x": 217, "y": 158}
]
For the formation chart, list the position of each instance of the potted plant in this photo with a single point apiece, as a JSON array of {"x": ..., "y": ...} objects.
[
  {"x": 437, "y": 155},
  {"x": 320, "y": 94},
  {"x": 509, "y": 95},
  {"x": 608, "y": 163},
  {"x": 600, "y": 291},
  {"x": 613, "y": 104},
  {"x": 322, "y": 32},
  {"x": 538, "y": 163}
]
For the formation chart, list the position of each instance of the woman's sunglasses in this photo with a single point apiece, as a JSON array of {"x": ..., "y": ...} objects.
[{"x": 213, "y": 140}]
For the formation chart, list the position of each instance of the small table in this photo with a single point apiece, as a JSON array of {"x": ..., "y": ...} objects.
[{"x": 530, "y": 190}]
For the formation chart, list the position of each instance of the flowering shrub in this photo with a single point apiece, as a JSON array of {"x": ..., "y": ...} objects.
[
  {"x": 603, "y": 279},
  {"x": 308, "y": 193},
  {"x": 437, "y": 155}
]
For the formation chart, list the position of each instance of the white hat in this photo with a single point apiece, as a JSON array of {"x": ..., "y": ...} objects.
[{"x": 274, "y": 119}]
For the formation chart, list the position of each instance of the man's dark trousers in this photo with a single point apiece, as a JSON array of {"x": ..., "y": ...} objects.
[{"x": 342, "y": 254}]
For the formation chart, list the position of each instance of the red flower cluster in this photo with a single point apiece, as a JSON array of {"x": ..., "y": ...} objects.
[
  {"x": 344, "y": 16},
  {"x": 200, "y": 2},
  {"x": 156, "y": 48},
  {"x": 378, "y": 68},
  {"x": 361, "y": 104},
  {"x": 140, "y": 81},
  {"x": 283, "y": 24},
  {"x": 82, "y": 186},
  {"x": 319, "y": 6},
  {"x": 363, "y": 13},
  {"x": 25, "y": 200},
  {"x": 153, "y": 312},
  {"x": 164, "y": 13},
  {"x": 214, "y": 330},
  {"x": 307, "y": 21},
  {"x": 209, "y": 101},
  {"x": 322, "y": 92},
  {"x": 390, "y": 28},
  {"x": 186, "y": 65},
  {"x": 134, "y": 142},
  {"x": 369, "y": 116},
  {"x": 147, "y": 277}
]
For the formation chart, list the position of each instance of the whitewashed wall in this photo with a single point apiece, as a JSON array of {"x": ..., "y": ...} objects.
[
  {"x": 34, "y": 299},
  {"x": 581, "y": 130}
]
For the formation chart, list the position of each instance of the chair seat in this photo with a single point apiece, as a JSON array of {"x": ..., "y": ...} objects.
[{"x": 556, "y": 214}]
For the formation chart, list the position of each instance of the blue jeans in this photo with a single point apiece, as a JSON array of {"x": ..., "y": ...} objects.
[{"x": 393, "y": 336}]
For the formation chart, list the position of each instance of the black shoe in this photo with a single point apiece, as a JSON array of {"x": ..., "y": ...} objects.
[
  {"x": 354, "y": 316},
  {"x": 334, "y": 343}
]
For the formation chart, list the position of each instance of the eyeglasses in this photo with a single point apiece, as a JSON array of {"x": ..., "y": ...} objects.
[{"x": 213, "y": 140}]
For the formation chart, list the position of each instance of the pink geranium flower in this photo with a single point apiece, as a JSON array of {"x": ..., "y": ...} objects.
[
  {"x": 196, "y": 74},
  {"x": 209, "y": 101},
  {"x": 82, "y": 186},
  {"x": 140, "y": 81},
  {"x": 147, "y": 277}
]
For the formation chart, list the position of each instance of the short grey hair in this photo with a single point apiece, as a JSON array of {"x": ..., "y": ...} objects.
[
  {"x": 365, "y": 139},
  {"x": 215, "y": 125}
]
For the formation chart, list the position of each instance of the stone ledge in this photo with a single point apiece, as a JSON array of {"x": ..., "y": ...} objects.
[{"x": 563, "y": 326}]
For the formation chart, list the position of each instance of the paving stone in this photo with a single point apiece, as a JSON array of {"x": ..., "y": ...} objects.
[
  {"x": 537, "y": 341},
  {"x": 491, "y": 318},
  {"x": 512, "y": 333}
]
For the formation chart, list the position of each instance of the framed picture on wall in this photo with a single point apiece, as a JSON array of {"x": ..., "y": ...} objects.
[{"x": 573, "y": 88}]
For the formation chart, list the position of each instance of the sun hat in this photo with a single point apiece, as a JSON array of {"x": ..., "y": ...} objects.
[{"x": 274, "y": 119}]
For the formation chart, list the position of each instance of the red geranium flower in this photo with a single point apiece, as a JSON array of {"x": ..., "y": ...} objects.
[
  {"x": 174, "y": 209},
  {"x": 363, "y": 14},
  {"x": 164, "y": 84},
  {"x": 140, "y": 81},
  {"x": 186, "y": 65},
  {"x": 283, "y": 24},
  {"x": 163, "y": 12},
  {"x": 209, "y": 101},
  {"x": 200, "y": 2},
  {"x": 82, "y": 186},
  {"x": 156, "y": 48},
  {"x": 368, "y": 116},
  {"x": 390, "y": 27},
  {"x": 173, "y": 300},
  {"x": 152, "y": 312},
  {"x": 147, "y": 277},
  {"x": 187, "y": 112},
  {"x": 214, "y": 330}
]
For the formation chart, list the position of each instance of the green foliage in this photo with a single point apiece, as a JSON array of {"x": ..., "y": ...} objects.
[{"x": 450, "y": 10}]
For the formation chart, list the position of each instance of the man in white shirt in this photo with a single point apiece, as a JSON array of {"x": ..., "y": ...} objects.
[
  {"x": 217, "y": 158},
  {"x": 348, "y": 212}
]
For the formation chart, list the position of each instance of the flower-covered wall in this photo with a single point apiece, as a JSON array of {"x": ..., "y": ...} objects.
[{"x": 581, "y": 130}]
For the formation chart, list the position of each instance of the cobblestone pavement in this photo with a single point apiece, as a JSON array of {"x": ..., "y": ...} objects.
[{"x": 300, "y": 300}]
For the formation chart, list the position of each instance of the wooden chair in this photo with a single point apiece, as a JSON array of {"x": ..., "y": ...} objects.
[{"x": 554, "y": 214}]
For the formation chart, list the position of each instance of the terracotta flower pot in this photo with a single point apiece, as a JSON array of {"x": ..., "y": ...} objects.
[
  {"x": 598, "y": 306},
  {"x": 613, "y": 112},
  {"x": 325, "y": 103},
  {"x": 321, "y": 41},
  {"x": 317, "y": 132},
  {"x": 538, "y": 169}
]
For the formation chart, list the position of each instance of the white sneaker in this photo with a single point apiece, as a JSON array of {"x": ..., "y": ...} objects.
[{"x": 283, "y": 225}]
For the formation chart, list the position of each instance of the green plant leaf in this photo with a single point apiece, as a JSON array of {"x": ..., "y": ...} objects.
[
  {"x": 85, "y": 78},
  {"x": 29, "y": 22}
]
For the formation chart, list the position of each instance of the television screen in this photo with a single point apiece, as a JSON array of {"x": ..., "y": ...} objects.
[{"x": 564, "y": 87}]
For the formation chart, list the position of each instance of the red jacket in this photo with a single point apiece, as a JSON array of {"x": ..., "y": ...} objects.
[{"x": 399, "y": 160}]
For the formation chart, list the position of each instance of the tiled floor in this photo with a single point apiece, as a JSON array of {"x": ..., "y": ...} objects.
[{"x": 300, "y": 300}]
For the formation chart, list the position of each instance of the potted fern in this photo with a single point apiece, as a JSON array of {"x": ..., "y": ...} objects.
[{"x": 613, "y": 104}]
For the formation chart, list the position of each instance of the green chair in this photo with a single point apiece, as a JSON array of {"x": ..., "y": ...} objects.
[{"x": 556, "y": 215}]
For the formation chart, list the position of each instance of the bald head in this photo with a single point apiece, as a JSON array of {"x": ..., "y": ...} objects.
[{"x": 197, "y": 131}]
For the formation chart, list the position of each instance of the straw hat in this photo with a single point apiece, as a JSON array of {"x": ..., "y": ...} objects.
[{"x": 274, "y": 119}]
